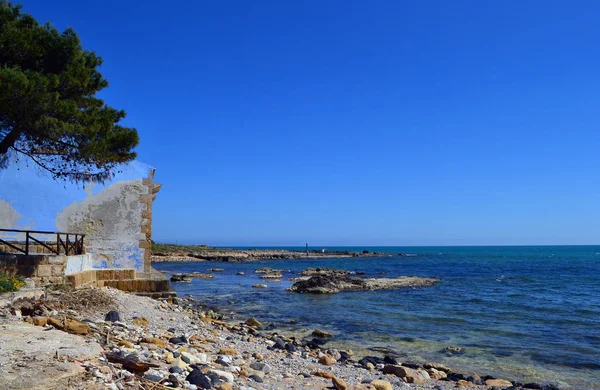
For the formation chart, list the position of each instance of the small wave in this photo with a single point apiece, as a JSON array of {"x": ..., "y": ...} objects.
[
  {"x": 551, "y": 359},
  {"x": 582, "y": 366},
  {"x": 444, "y": 319},
  {"x": 476, "y": 300}
]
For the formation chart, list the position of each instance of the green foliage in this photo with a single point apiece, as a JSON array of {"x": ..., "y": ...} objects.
[
  {"x": 48, "y": 108},
  {"x": 175, "y": 248},
  {"x": 10, "y": 283}
]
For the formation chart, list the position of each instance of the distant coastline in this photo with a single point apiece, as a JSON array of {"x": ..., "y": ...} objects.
[{"x": 184, "y": 253}]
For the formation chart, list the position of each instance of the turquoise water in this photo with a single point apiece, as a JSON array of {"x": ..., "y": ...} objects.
[{"x": 526, "y": 313}]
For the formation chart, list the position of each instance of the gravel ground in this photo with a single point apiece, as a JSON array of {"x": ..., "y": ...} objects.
[{"x": 232, "y": 356}]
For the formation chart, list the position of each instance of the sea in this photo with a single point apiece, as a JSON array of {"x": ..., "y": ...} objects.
[{"x": 525, "y": 313}]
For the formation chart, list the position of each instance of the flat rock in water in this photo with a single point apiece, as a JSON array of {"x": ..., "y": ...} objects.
[
  {"x": 321, "y": 334},
  {"x": 498, "y": 383},
  {"x": 181, "y": 278},
  {"x": 324, "y": 271},
  {"x": 327, "y": 284},
  {"x": 253, "y": 322}
]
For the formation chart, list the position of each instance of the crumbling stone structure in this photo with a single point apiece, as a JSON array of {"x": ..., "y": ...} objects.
[{"x": 116, "y": 218}]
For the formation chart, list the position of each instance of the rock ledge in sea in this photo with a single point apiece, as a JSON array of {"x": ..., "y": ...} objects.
[{"x": 328, "y": 284}]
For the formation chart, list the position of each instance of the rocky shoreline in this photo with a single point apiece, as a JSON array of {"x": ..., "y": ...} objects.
[
  {"x": 240, "y": 255},
  {"x": 140, "y": 343},
  {"x": 321, "y": 280}
]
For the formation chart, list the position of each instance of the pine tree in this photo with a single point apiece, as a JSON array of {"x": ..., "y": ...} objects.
[{"x": 48, "y": 109}]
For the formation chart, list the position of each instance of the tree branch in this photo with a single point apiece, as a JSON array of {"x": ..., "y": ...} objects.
[
  {"x": 73, "y": 175},
  {"x": 31, "y": 156}
]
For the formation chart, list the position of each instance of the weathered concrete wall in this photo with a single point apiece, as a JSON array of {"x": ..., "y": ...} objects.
[
  {"x": 116, "y": 217},
  {"x": 44, "y": 269},
  {"x": 111, "y": 221},
  {"x": 78, "y": 263}
]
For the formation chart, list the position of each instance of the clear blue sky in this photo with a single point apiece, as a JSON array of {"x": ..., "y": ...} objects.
[{"x": 358, "y": 122}]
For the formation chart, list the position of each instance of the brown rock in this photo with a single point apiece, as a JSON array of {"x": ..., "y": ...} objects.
[
  {"x": 130, "y": 363},
  {"x": 253, "y": 322},
  {"x": 435, "y": 374},
  {"x": 153, "y": 340},
  {"x": 323, "y": 374},
  {"x": 408, "y": 374},
  {"x": 228, "y": 351},
  {"x": 321, "y": 333},
  {"x": 169, "y": 358},
  {"x": 55, "y": 322},
  {"x": 39, "y": 321},
  {"x": 125, "y": 343},
  {"x": 224, "y": 386},
  {"x": 76, "y": 327},
  {"x": 498, "y": 383},
  {"x": 380, "y": 384},
  {"x": 463, "y": 383},
  {"x": 327, "y": 360},
  {"x": 338, "y": 383},
  {"x": 417, "y": 380},
  {"x": 438, "y": 366},
  {"x": 140, "y": 321}
]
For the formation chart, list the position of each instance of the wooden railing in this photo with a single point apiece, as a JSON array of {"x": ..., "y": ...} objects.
[{"x": 66, "y": 243}]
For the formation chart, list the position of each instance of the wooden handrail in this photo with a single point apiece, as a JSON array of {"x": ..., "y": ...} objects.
[
  {"x": 70, "y": 247},
  {"x": 37, "y": 232}
]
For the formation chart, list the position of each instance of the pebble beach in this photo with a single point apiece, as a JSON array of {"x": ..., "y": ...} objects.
[{"x": 142, "y": 343}]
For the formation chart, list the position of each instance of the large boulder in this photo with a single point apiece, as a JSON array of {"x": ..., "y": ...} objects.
[
  {"x": 407, "y": 374},
  {"x": 327, "y": 284}
]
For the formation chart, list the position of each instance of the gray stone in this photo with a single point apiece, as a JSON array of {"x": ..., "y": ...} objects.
[
  {"x": 220, "y": 360},
  {"x": 261, "y": 366},
  {"x": 112, "y": 316},
  {"x": 196, "y": 377},
  {"x": 174, "y": 381},
  {"x": 153, "y": 377}
]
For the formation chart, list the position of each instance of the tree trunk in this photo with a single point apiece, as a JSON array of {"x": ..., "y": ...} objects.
[{"x": 9, "y": 141}]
